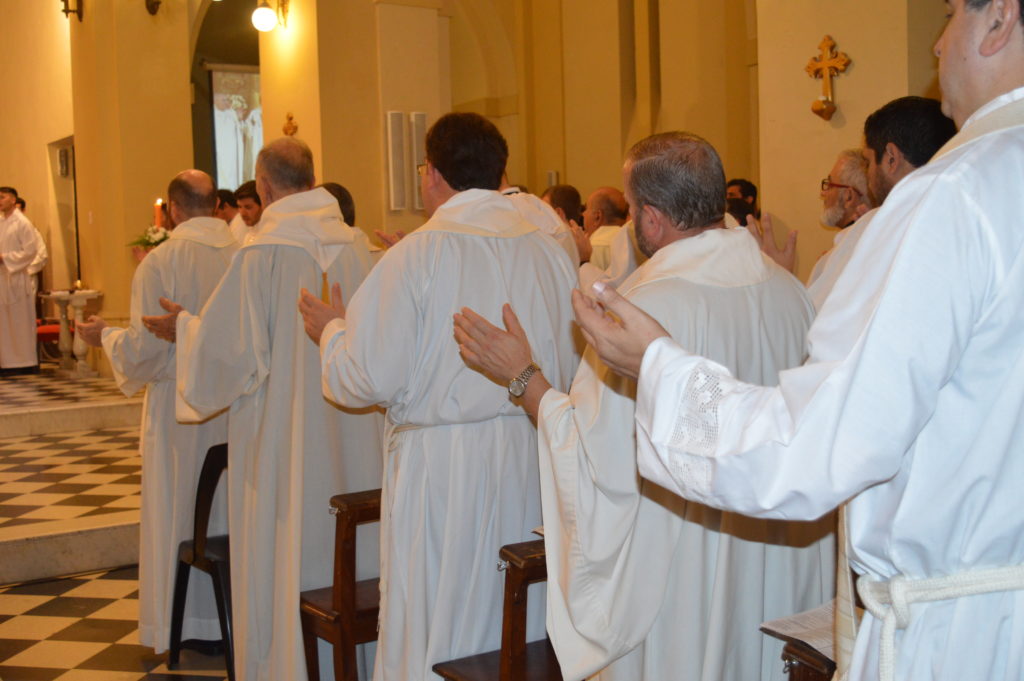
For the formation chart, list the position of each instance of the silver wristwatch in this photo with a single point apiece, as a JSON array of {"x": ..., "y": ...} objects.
[{"x": 517, "y": 386}]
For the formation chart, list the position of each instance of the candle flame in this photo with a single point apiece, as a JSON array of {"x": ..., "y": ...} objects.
[{"x": 159, "y": 202}]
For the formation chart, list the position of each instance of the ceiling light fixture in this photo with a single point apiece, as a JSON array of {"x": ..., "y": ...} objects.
[{"x": 265, "y": 18}]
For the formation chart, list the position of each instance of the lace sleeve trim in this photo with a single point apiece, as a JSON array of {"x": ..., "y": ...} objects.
[{"x": 695, "y": 433}]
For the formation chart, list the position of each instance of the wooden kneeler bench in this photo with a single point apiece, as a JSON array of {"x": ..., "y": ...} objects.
[
  {"x": 517, "y": 660},
  {"x": 345, "y": 613}
]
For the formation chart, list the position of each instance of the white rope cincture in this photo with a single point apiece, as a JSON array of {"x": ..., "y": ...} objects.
[{"x": 890, "y": 601}]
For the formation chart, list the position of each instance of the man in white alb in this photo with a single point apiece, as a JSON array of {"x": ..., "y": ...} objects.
[
  {"x": 21, "y": 248},
  {"x": 460, "y": 465},
  {"x": 676, "y": 588},
  {"x": 899, "y": 138},
  {"x": 186, "y": 268},
  {"x": 604, "y": 214},
  {"x": 246, "y": 223},
  {"x": 289, "y": 449},
  {"x": 910, "y": 404},
  {"x": 538, "y": 212}
]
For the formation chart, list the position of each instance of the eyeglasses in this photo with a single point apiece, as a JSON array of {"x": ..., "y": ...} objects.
[{"x": 827, "y": 184}]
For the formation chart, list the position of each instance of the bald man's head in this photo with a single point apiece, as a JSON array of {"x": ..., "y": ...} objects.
[
  {"x": 284, "y": 167},
  {"x": 605, "y": 206},
  {"x": 192, "y": 194}
]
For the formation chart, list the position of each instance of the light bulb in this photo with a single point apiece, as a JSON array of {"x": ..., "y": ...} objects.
[{"x": 264, "y": 18}]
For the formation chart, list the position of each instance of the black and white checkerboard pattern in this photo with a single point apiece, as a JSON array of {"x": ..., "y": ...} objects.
[
  {"x": 86, "y": 629},
  {"x": 48, "y": 389},
  {"x": 54, "y": 478}
]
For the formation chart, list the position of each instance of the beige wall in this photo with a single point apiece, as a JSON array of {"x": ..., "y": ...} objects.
[
  {"x": 338, "y": 68},
  {"x": 888, "y": 42},
  {"x": 708, "y": 57},
  {"x": 598, "y": 75},
  {"x": 132, "y": 131},
  {"x": 290, "y": 77},
  {"x": 35, "y": 51}
]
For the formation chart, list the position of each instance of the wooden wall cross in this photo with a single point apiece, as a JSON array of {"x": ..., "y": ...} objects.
[
  {"x": 826, "y": 66},
  {"x": 290, "y": 127}
]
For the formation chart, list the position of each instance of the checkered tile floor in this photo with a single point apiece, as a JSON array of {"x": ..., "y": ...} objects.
[
  {"x": 47, "y": 389},
  {"x": 85, "y": 629},
  {"x": 53, "y": 478}
]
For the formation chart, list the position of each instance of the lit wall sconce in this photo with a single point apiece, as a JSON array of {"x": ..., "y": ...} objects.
[
  {"x": 152, "y": 6},
  {"x": 68, "y": 11},
  {"x": 265, "y": 18}
]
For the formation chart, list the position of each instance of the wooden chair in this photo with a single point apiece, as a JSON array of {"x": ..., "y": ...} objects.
[
  {"x": 517, "y": 660},
  {"x": 345, "y": 613},
  {"x": 209, "y": 554},
  {"x": 804, "y": 663}
]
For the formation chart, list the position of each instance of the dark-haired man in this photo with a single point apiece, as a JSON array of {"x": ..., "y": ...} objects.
[
  {"x": 745, "y": 191},
  {"x": 460, "y": 456},
  {"x": 22, "y": 254},
  {"x": 187, "y": 268},
  {"x": 346, "y": 204},
  {"x": 910, "y": 404},
  {"x": 289, "y": 449},
  {"x": 250, "y": 208},
  {"x": 898, "y": 138},
  {"x": 227, "y": 205},
  {"x": 565, "y": 199}
]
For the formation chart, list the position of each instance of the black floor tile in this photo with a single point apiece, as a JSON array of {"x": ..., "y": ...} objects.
[
  {"x": 96, "y": 631},
  {"x": 70, "y": 606},
  {"x": 125, "y": 658},
  {"x": 88, "y": 500},
  {"x": 63, "y": 488},
  {"x": 122, "y": 573},
  {"x": 12, "y": 522},
  {"x": 12, "y": 511},
  {"x": 29, "y": 673},
  {"x": 51, "y": 588},
  {"x": 115, "y": 468},
  {"x": 9, "y": 647},
  {"x": 104, "y": 511},
  {"x": 48, "y": 477}
]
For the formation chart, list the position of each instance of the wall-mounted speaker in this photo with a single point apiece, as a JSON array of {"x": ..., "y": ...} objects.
[
  {"x": 398, "y": 170},
  {"x": 418, "y": 141}
]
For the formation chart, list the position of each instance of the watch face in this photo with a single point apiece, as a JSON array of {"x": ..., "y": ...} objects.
[{"x": 516, "y": 387}]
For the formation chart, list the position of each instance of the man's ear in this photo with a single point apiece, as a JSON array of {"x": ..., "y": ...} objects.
[
  {"x": 656, "y": 221},
  {"x": 1001, "y": 17},
  {"x": 892, "y": 157}
]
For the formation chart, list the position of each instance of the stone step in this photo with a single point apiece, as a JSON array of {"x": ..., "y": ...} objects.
[
  {"x": 67, "y": 417},
  {"x": 68, "y": 547}
]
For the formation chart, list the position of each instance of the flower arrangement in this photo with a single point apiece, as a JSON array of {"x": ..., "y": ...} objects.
[{"x": 152, "y": 237}]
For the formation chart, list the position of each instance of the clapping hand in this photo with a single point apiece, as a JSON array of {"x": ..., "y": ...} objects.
[
  {"x": 164, "y": 326},
  {"x": 316, "y": 314},
  {"x": 620, "y": 340}
]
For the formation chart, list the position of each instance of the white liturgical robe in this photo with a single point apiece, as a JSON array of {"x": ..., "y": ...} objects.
[
  {"x": 910, "y": 403},
  {"x": 289, "y": 450},
  {"x": 679, "y": 588},
  {"x": 537, "y": 212},
  {"x": 831, "y": 264},
  {"x": 242, "y": 232},
  {"x": 186, "y": 269},
  {"x": 624, "y": 257},
  {"x": 460, "y": 475},
  {"x": 20, "y": 246},
  {"x": 601, "y": 241}
]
